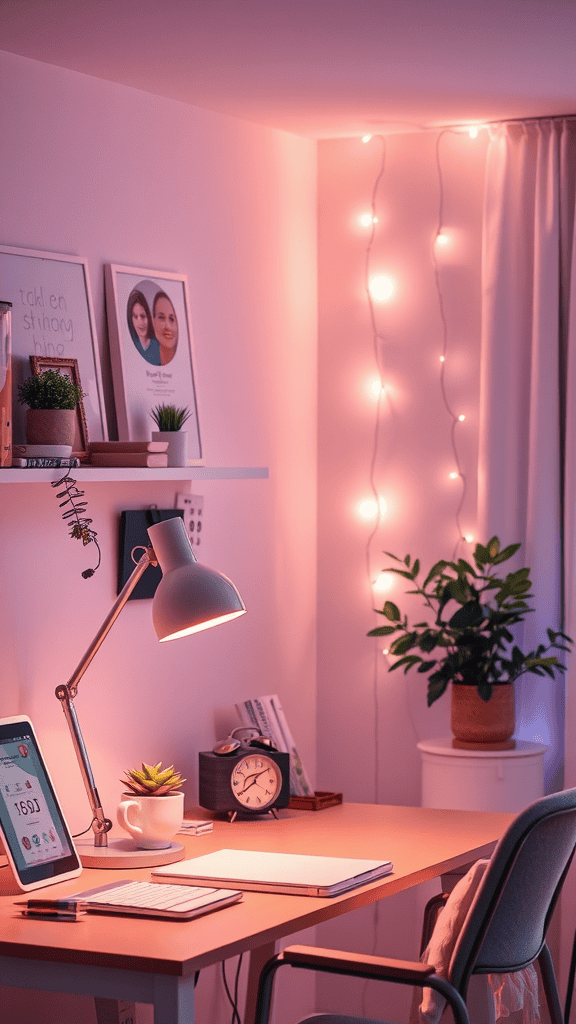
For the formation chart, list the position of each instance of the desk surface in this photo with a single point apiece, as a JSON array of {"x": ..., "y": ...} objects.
[{"x": 422, "y": 843}]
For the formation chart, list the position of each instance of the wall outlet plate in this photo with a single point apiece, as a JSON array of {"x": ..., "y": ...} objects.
[{"x": 192, "y": 506}]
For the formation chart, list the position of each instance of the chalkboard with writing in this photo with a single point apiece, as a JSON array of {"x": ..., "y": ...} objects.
[{"x": 52, "y": 317}]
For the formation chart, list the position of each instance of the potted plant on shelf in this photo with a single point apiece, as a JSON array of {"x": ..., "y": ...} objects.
[
  {"x": 51, "y": 398},
  {"x": 152, "y": 809},
  {"x": 170, "y": 420},
  {"x": 472, "y": 612}
]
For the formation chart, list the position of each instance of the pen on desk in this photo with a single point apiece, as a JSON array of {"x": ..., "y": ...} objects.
[{"x": 66, "y": 910}]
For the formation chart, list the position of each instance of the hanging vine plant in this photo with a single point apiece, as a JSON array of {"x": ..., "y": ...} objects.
[{"x": 74, "y": 516}]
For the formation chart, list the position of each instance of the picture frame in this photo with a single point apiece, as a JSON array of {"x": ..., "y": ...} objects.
[
  {"x": 69, "y": 367},
  {"x": 151, "y": 350},
  {"x": 52, "y": 317}
]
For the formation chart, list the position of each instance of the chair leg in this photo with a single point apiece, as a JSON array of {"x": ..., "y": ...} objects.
[
  {"x": 550, "y": 986},
  {"x": 570, "y": 986}
]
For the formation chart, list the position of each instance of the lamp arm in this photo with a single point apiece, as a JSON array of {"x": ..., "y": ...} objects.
[{"x": 66, "y": 693}]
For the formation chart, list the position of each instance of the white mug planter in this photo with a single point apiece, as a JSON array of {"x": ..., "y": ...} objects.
[{"x": 177, "y": 445}]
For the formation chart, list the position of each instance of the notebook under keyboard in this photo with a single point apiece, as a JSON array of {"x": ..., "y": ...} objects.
[{"x": 155, "y": 899}]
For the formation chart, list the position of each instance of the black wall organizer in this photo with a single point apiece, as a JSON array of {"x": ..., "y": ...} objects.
[{"x": 134, "y": 533}]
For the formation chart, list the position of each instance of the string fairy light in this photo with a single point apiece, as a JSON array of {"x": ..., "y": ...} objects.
[
  {"x": 458, "y": 473},
  {"x": 378, "y": 506}
]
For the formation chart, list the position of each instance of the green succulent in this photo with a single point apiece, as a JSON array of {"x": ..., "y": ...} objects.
[
  {"x": 152, "y": 781},
  {"x": 49, "y": 390},
  {"x": 168, "y": 417},
  {"x": 475, "y": 642}
]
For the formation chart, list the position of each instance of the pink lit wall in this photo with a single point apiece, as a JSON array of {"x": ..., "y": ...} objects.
[
  {"x": 120, "y": 176},
  {"x": 368, "y": 720}
]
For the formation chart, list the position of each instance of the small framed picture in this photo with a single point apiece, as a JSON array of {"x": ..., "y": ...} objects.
[
  {"x": 52, "y": 319},
  {"x": 151, "y": 351},
  {"x": 69, "y": 368}
]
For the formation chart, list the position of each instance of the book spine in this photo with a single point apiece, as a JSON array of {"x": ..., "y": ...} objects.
[
  {"x": 45, "y": 463},
  {"x": 247, "y": 714},
  {"x": 281, "y": 728},
  {"x": 265, "y": 713}
]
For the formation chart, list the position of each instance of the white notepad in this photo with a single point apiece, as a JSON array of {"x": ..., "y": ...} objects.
[{"x": 294, "y": 873}]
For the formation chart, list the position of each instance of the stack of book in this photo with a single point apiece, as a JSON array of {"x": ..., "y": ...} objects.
[
  {"x": 153, "y": 454},
  {"x": 266, "y": 714},
  {"x": 43, "y": 456}
]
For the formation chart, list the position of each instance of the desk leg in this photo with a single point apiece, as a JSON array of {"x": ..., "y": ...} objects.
[
  {"x": 258, "y": 957},
  {"x": 173, "y": 1000}
]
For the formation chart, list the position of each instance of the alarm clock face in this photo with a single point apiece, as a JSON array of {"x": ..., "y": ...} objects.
[{"x": 256, "y": 781}]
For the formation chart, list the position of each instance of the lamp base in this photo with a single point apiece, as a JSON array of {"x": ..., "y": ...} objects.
[{"x": 123, "y": 853}]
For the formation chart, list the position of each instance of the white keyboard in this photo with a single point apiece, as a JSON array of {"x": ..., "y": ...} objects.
[{"x": 155, "y": 899}]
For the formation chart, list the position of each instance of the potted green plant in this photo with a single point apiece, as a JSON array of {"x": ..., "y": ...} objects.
[
  {"x": 152, "y": 809},
  {"x": 170, "y": 420},
  {"x": 51, "y": 398},
  {"x": 152, "y": 780},
  {"x": 468, "y": 640}
]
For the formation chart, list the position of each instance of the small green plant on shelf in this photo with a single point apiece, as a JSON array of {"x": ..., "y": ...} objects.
[
  {"x": 169, "y": 418},
  {"x": 49, "y": 390},
  {"x": 476, "y": 647},
  {"x": 152, "y": 780}
]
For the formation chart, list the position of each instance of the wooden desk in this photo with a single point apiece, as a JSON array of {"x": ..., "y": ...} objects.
[{"x": 153, "y": 961}]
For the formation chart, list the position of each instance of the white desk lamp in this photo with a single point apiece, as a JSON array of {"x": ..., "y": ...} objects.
[{"x": 189, "y": 597}]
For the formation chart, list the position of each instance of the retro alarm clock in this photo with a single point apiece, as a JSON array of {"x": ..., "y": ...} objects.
[{"x": 244, "y": 774}]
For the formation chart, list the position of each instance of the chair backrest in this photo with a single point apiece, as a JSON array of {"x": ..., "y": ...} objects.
[{"x": 506, "y": 926}]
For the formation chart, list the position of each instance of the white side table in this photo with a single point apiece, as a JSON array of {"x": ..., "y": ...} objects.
[{"x": 481, "y": 780}]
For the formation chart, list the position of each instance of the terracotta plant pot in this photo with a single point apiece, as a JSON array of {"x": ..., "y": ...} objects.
[
  {"x": 483, "y": 725},
  {"x": 50, "y": 426}
]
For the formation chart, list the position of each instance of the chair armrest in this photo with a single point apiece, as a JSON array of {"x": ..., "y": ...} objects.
[
  {"x": 403, "y": 972},
  {"x": 359, "y": 964},
  {"x": 431, "y": 912}
]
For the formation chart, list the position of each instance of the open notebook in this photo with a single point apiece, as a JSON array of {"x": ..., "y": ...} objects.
[{"x": 291, "y": 873}]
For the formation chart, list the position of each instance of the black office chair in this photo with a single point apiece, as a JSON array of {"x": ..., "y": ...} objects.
[{"x": 504, "y": 931}]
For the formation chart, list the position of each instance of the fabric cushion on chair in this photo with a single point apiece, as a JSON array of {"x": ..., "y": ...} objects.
[{"x": 510, "y": 992}]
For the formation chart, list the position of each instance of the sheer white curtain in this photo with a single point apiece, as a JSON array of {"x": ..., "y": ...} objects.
[{"x": 527, "y": 476}]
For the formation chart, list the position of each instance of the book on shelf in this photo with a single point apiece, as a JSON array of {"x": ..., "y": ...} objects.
[
  {"x": 128, "y": 446},
  {"x": 153, "y": 460},
  {"x": 266, "y": 714},
  {"x": 45, "y": 463},
  {"x": 41, "y": 451}
]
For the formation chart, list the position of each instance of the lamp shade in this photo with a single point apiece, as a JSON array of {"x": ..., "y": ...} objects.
[{"x": 190, "y": 596}]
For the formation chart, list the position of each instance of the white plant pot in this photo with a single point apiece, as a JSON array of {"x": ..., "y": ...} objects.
[
  {"x": 152, "y": 821},
  {"x": 177, "y": 445}
]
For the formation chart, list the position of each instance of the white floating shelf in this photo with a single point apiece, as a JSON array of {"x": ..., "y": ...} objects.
[{"x": 100, "y": 474}]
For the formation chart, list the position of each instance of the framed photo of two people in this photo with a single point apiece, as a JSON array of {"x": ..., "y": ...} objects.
[{"x": 150, "y": 350}]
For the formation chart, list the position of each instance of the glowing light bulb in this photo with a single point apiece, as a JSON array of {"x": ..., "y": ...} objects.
[
  {"x": 366, "y": 138},
  {"x": 461, "y": 417},
  {"x": 442, "y": 359},
  {"x": 369, "y": 508},
  {"x": 468, "y": 537},
  {"x": 376, "y": 387},
  {"x": 385, "y": 651},
  {"x": 473, "y": 131},
  {"x": 381, "y": 288},
  {"x": 367, "y": 219},
  {"x": 454, "y": 475},
  {"x": 383, "y": 582},
  {"x": 441, "y": 239}
]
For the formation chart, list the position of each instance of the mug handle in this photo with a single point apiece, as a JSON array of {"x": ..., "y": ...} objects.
[{"x": 123, "y": 819}]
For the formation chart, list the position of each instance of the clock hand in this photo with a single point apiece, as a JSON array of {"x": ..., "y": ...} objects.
[{"x": 255, "y": 777}]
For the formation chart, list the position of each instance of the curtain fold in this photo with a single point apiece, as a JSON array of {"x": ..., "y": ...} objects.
[{"x": 526, "y": 475}]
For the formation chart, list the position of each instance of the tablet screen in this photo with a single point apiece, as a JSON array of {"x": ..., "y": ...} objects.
[{"x": 37, "y": 840}]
